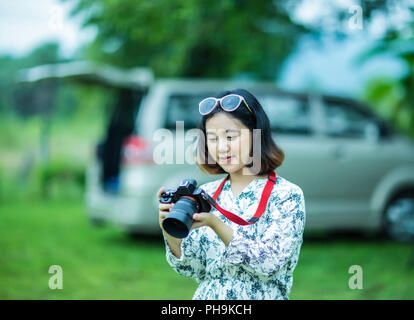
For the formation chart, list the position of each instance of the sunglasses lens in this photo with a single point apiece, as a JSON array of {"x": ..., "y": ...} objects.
[
  {"x": 230, "y": 103},
  {"x": 207, "y": 105}
]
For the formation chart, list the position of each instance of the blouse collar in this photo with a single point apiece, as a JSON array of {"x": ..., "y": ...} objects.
[{"x": 256, "y": 183}]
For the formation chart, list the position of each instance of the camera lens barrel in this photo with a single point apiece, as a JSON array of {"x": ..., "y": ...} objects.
[{"x": 179, "y": 220}]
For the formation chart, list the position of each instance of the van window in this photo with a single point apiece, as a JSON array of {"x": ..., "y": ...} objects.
[
  {"x": 287, "y": 114},
  {"x": 183, "y": 107},
  {"x": 343, "y": 120}
]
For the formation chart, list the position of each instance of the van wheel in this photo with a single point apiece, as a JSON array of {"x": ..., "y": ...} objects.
[{"x": 399, "y": 218}]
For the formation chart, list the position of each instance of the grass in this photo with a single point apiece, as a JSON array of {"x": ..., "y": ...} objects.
[
  {"x": 97, "y": 263},
  {"x": 323, "y": 270},
  {"x": 104, "y": 263}
]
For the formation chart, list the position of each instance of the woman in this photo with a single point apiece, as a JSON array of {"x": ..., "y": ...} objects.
[{"x": 231, "y": 260}]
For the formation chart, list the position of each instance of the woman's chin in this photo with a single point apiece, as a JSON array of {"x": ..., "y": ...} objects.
[{"x": 230, "y": 168}]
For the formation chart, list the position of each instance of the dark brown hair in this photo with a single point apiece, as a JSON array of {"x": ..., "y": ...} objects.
[{"x": 271, "y": 155}]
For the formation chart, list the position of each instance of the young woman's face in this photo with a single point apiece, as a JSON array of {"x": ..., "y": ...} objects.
[{"x": 228, "y": 141}]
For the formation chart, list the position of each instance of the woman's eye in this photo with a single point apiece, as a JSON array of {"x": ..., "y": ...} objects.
[{"x": 231, "y": 137}]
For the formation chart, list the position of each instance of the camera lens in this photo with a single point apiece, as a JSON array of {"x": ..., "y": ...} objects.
[{"x": 180, "y": 219}]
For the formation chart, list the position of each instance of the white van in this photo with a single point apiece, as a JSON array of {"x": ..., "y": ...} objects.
[{"x": 356, "y": 172}]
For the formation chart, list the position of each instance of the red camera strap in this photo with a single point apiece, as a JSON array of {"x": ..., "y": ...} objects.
[{"x": 260, "y": 209}]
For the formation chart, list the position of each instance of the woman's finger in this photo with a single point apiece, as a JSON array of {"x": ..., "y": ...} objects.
[
  {"x": 160, "y": 191},
  {"x": 165, "y": 206},
  {"x": 200, "y": 216}
]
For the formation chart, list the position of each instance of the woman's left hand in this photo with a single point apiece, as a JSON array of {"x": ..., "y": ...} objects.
[
  {"x": 224, "y": 231},
  {"x": 204, "y": 219}
]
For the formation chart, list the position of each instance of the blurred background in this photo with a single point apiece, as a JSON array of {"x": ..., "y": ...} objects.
[{"x": 75, "y": 77}]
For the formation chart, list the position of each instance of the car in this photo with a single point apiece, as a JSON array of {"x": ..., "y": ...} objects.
[{"x": 356, "y": 171}]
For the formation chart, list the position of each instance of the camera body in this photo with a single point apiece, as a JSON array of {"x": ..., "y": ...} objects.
[{"x": 187, "y": 199}]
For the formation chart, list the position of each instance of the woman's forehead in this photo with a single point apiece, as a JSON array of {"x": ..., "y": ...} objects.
[{"x": 223, "y": 121}]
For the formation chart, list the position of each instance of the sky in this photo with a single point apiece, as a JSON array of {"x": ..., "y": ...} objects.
[
  {"x": 25, "y": 24},
  {"x": 332, "y": 66},
  {"x": 328, "y": 65}
]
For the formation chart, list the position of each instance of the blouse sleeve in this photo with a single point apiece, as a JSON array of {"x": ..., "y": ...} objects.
[
  {"x": 274, "y": 248},
  {"x": 192, "y": 262}
]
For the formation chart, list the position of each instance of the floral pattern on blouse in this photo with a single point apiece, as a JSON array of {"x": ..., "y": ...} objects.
[{"x": 260, "y": 259}]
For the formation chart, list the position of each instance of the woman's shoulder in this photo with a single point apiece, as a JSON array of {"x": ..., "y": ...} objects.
[
  {"x": 211, "y": 187},
  {"x": 285, "y": 189}
]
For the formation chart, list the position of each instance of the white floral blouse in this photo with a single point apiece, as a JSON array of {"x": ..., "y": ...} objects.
[{"x": 259, "y": 261}]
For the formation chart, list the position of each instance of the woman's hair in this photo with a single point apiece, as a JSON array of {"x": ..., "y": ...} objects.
[{"x": 271, "y": 155}]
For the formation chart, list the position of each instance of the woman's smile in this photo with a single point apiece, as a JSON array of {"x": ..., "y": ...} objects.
[{"x": 225, "y": 159}]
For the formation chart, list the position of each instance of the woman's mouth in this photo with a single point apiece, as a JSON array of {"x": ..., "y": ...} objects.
[{"x": 225, "y": 159}]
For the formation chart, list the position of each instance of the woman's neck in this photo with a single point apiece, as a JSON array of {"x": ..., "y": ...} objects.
[{"x": 243, "y": 179}]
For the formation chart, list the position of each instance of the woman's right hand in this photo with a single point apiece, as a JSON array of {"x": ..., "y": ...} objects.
[{"x": 164, "y": 209}]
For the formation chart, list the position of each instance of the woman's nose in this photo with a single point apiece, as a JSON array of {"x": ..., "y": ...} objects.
[{"x": 223, "y": 145}]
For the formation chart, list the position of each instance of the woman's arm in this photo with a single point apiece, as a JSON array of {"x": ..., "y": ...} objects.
[
  {"x": 173, "y": 243},
  {"x": 191, "y": 261},
  {"x": 224, "y": 231},
  {"x": 275, "y": 245},
  {"x": 183, "y": 255}
]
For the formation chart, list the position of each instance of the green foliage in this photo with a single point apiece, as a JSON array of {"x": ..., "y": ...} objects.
[
  {"x": 94, "y": 103},
  {"x": 61, "y": 177},
  {"x": 71, "y": 145},
  {"x": 394, "y": 97},
  {"x": 9, "y": 66},
  {"x": 187, "y": 38}
]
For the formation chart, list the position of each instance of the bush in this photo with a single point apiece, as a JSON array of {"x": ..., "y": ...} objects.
[{"x": 60, "y": 178}]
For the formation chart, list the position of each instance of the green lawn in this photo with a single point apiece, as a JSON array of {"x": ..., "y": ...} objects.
[
  {"x": 97, "y": 263},
  {"x": 103, "y": 263}
]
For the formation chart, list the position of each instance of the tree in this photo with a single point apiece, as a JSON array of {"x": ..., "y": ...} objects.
[
  {"x": 189, "y": 38},
  {"x": 390, "y": 23},
  {"x": 9, "y": 66},
  {"x": 394, "y": 97}
]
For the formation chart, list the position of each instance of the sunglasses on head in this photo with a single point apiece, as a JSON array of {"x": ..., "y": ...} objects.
[{"x": 228, "y": 103}]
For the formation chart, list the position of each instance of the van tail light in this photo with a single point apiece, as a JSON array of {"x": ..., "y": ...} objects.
[{"x": 136, "y": 150}]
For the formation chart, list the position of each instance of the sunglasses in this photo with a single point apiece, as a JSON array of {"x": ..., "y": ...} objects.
[{"x": 228, "y": 103}]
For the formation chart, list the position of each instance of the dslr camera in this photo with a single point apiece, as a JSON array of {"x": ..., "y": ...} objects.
[{"x": 188, "y": 200}]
